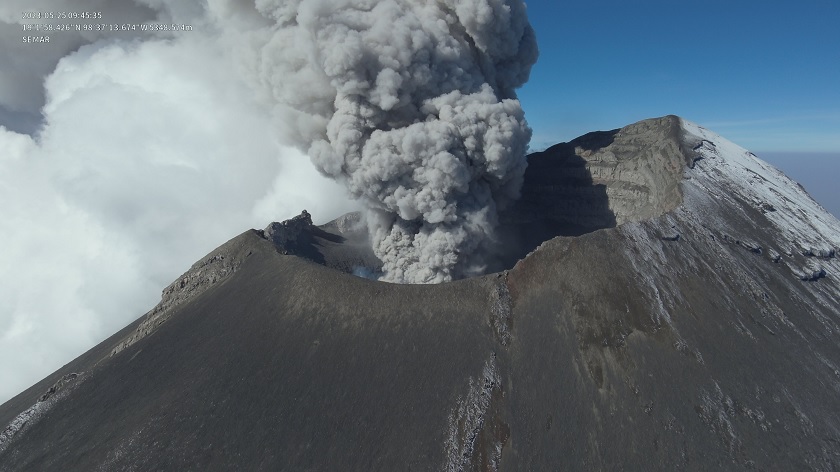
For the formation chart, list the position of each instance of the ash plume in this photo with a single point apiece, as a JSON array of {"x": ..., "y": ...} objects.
[{"x": 409, "y": 104}]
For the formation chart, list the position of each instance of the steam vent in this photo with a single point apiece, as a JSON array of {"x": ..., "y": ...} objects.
[{"x": 662, "y": 300}]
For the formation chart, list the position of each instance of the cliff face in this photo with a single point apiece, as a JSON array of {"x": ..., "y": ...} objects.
[
  {"x": 606, "y": 178},
  {"x": 599, "y": 180},
  {"x": 678, "y": 308}
]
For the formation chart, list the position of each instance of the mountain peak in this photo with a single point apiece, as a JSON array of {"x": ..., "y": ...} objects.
[{"x": 663, "y": 291}]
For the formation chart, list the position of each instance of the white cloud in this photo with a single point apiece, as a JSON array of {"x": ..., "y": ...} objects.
[
  {"x": 25, "y": 65},
  {"x": 152, "y": 154}
]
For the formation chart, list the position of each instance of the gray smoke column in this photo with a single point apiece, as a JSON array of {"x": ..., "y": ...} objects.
[{"x": 410, "y": 104}]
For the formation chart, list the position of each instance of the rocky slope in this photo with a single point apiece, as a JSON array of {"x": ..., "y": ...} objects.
[{"x": 678, "y": 309}]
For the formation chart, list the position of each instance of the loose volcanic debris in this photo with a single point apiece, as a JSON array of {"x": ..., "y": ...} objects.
[
  {"x": 477, "y": 434},
  {"x": 32, "y": 414},
  {"x": 501, "y": 312}
]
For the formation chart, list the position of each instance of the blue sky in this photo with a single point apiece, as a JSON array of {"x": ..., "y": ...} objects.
[{"x": 765, "y": 75}]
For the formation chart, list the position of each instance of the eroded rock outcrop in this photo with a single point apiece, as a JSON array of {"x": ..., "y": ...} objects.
[
  {"x": 606, "y": 178},
  {"x": 213, "y": 269},
  {"x": 292, "y": 234}
]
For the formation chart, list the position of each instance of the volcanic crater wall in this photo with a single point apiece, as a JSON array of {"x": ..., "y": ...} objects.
[
  {"x": 641, "y": 168},
  {"x": 600, "y": 180},
  {"x": 606, "y": 178}
]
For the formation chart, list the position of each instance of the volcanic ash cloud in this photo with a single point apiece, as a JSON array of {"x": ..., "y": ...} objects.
[{"x": 409, "y": 104}]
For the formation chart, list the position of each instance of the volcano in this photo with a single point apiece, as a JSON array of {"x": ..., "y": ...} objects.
[{"x": 661, "y": 299}]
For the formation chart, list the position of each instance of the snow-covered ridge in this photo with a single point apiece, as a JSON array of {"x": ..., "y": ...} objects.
[{"x": 726, "y": 170}]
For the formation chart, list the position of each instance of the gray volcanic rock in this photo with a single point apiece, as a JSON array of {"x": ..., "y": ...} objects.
[
  {"x": 662, "y": 324},
  {"x": 341, "y": 244},
  {"x": 599, "y": 180}
]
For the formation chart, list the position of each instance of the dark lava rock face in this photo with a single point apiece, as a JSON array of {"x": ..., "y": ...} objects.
[{"x": 664, "y": 325}]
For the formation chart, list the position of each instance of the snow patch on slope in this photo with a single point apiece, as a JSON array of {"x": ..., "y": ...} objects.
[
  {"x": 799, "y": 220},
  {"x": 796, "y": 231}
]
